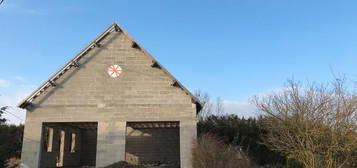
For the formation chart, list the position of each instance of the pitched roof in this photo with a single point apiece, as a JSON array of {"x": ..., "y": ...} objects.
[{"x": 95, "y": 43}]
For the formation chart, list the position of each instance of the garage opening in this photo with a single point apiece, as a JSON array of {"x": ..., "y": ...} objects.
[
  {"x": 68, "y": 144},
  {"x": 153, "y": 143}
]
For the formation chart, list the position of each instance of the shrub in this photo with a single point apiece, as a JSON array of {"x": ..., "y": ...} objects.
[
  {"x": 211, "y": 152},
  {"x": 245, "y": 133},
  {"x": 123, "y": 164}
]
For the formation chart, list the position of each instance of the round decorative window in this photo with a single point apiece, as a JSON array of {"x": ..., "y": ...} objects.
[{"x": 114, "y": 71}]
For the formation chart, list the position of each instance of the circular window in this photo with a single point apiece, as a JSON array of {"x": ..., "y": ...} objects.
[{"x": 114, "y": 71}]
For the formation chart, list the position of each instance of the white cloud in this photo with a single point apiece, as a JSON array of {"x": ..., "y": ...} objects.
[
  {"x": 4, "y": 83},
  {"x": 240, "y": 108},
  {"x": 20, "y": 79},
  {"x": 271, "y": 91},
  {"x": 11, "y": 95},
  {"x": 10, "y": 7},
  {"x": 33, "y": 12},
  {"x": 245, "y": 108}
]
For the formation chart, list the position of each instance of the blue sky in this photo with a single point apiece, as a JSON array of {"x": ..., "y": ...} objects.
[{"x": 231, "y": 49}]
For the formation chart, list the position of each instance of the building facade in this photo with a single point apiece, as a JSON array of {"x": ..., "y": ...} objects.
[{"x": 112, "y": 102}]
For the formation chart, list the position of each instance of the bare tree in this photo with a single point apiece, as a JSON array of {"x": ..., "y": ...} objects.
[
  {"x": 2, "y": 111},
  {"x": 219, "y": 107},
  {"x": 315, "y": 125},
  {"x": 210, "y": 107},
  {"x": 207, "y": 104}
]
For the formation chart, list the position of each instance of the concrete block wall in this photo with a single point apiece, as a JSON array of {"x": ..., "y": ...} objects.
[
  {"x": 88, "y": 94},
  {"x": 111, "y": 143}
]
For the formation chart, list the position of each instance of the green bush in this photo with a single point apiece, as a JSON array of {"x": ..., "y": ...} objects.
[
  {"x": 123, "y": 164},
  {"x": 245, "y": 133},
  {"x": 292, "y": 163}
]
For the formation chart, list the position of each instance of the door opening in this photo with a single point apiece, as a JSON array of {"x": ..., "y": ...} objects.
[{"x": 68, "y": 144}]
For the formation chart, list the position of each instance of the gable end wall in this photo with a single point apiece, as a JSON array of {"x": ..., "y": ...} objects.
[{"x": 88, "y": 94}]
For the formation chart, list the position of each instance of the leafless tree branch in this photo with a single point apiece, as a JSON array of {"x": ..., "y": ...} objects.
[{"x": 316, "y": 124}]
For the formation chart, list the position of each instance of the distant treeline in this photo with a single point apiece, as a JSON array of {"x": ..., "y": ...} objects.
[{"x": 10, "y": 142}]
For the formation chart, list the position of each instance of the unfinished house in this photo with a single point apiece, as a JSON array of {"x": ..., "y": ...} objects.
[{"x": 111, "y": 102}]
